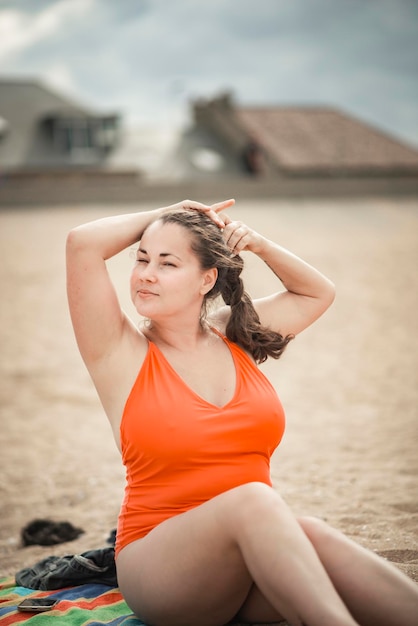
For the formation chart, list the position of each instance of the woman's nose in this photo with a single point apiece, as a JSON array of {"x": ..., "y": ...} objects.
[{"x": 148, "y": 273}]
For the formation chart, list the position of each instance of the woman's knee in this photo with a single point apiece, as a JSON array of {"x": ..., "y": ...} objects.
[
  {"x": 257, "y": 495},
  {"x": 318, "y": 531},
  {"x": 254, "y": 502}
]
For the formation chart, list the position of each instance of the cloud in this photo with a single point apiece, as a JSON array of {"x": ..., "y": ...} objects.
[
  {"x": 147, "y": 58},
  {"x": 60, "y": 78},
  {"x": 20, "y": 30}
]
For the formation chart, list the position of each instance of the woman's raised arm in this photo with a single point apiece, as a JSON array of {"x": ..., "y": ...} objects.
[
  {"x": 307, "y": 294},
  {"x": 96, "y": 315},
  {"x": 97, "y": 318}
]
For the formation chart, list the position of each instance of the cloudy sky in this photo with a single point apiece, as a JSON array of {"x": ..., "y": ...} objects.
[{"x": 148, "y": 58}]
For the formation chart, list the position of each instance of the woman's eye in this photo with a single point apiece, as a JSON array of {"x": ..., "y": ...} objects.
[{"x": 164, "y": 264}]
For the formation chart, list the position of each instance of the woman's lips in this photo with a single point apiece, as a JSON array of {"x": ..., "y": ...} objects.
[{"x": 145, "y": 293}]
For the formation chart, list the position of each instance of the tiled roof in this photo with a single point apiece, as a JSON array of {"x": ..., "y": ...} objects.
[{"x": 319, "y": 139}]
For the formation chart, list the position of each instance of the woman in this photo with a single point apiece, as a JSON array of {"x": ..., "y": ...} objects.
[{"x": 202, "y": 537}]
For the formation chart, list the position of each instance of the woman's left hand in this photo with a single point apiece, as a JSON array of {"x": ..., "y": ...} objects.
[{"x": 240, "y": 237}]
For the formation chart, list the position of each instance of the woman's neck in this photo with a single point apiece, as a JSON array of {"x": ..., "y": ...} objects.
[{"x": 178, "y": 336}]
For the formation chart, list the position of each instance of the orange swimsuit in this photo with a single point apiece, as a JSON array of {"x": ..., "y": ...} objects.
[{"x": 180, "y": 450}]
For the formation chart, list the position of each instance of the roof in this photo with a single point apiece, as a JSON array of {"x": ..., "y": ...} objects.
[
  {"x": 314, "y": 139},
  {"x": 306, "y": 140}
]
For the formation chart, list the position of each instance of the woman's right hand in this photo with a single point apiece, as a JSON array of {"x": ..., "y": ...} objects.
[{"x": 211, "y": 210}]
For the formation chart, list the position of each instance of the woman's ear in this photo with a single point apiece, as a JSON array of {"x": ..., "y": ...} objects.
[{"x": 209, "y": 279}]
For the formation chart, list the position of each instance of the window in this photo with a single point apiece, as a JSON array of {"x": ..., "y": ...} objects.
[{"x": 82, "y": 139}]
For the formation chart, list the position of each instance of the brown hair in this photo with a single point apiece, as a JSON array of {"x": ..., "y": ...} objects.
[{"x": 244, "y": 326}]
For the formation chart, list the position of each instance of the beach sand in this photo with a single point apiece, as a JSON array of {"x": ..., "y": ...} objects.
[{"x": 348, "y": 383}]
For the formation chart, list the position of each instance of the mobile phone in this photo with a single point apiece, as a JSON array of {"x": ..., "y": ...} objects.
[{"x": 37, "y": 605}]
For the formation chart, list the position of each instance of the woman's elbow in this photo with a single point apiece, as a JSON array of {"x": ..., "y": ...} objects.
[
  {"x": 328, "y": 295},
  {"x": 75, "y": 241}
]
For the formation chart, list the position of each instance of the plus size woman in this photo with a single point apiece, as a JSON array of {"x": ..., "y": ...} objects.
[{"x": 203, "y": 537}]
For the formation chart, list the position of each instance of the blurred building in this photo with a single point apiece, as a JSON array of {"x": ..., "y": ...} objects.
[
  {"x": 299, "y": 142},
  {"x": 55, "y": 151},
  {"x": 41, "y": 130}
]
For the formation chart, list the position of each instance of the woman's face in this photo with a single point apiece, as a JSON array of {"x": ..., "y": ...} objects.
[{"x": 167, "y": 278}]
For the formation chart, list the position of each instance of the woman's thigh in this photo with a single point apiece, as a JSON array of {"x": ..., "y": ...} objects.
[{"x": 189, "y": 569}]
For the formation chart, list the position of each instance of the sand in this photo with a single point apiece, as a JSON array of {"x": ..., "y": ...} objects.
[{"x": 348, "y": 383}]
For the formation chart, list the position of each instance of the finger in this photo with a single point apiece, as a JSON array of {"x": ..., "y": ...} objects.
[
  {"x": 232, "y": 226},
  {"x": 192, "y": 204},
  {"x": 236, "y": 236},
  {"x": 216, "y": 218},
  {"x": 220, "y": 206},
  {"x": 210, "y": 210},
  {"x": 225, "y": 218}
]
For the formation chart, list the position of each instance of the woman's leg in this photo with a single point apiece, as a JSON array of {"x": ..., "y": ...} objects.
[
  {"x": 199, "y": 567},
  {"x": 374, "y": 591}
]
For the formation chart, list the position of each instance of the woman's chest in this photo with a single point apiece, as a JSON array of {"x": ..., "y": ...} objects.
[{"x": 209, "y": 373}]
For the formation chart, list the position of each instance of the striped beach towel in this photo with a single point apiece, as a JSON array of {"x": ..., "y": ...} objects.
[
  {"x": 91, "y": 604},
  {"x": 85, "y": 605}
]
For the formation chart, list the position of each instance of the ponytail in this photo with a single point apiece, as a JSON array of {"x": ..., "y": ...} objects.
[{"x": 244, "y": 326}]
